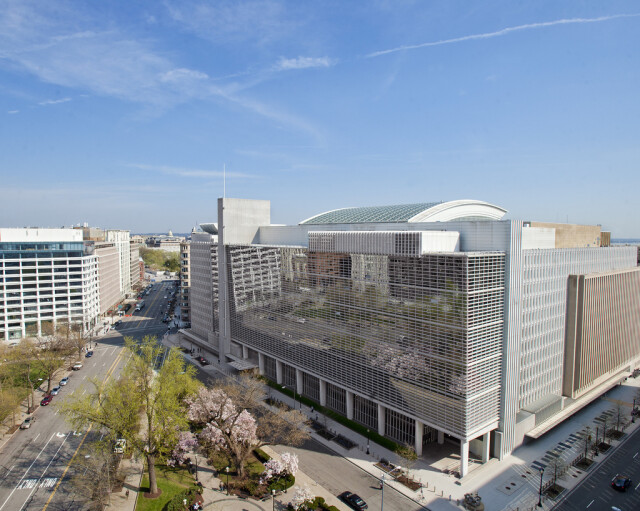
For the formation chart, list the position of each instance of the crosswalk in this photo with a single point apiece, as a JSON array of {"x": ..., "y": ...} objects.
[{"x": 47, "y": 482}]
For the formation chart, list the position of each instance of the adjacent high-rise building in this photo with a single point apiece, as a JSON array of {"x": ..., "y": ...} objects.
[
  {"x": 47, "y": 276},
  {"x": 185, "y": 282},
  {"x": 421, "y": 321},
  {"x": 122, "y": 243}
]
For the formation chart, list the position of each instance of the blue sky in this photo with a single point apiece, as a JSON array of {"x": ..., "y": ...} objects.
[{"x": 123, "y": 114}]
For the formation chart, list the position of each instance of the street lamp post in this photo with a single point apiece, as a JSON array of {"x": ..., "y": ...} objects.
[
  {"x": 227, "y": 470},
  {"x": 367, "y": 442},
  {"x": 273, "y": 500},
  {"x": 382, "y": 489},
  {"x": 540, "y": 492}
]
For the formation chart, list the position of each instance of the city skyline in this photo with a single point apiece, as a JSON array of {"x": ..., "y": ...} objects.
[{"x": 126, "y": 115}]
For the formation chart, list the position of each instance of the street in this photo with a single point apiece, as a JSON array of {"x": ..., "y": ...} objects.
[
  {"x": 595, "y": 491},
  {"x": 36, "y": 463}
]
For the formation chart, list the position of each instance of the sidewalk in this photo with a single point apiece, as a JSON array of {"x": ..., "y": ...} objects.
[{"x": 508, "y": 485}]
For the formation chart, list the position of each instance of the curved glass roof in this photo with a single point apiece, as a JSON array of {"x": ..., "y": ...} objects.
[{"x": 385, "y": 214}]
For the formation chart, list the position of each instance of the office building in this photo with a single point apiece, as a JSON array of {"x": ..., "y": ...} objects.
[
  {"x": 185, "y": 282},
  {"x": 122, "y": 243},
  {"x": 47, "y": 277},
  {"x": 427, "y": 322}
]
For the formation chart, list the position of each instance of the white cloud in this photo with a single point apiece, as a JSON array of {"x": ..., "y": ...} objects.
[
  {"x": 13, "y": 111},
  {"x": 303, "y": 63},
  {"x": 187, "y": 172},
  {"x": 180, "y": 74},
  {"x": 498, "y": 33},
  {"x": 54, "y": 101}
]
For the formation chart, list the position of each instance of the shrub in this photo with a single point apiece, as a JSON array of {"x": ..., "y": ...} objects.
[
  {"x": 176, "y": 503},
  {"x": 262, "y": 456},
  {"x": 282, "y": 484}
]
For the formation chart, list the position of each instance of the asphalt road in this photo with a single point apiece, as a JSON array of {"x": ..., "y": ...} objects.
[
  {"x": 595, "y": 492},
  {"x": 36, "y": 466},
  {"x": 337, "y": 474}
]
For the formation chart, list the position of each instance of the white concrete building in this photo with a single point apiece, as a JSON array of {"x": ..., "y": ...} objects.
[
  {"x": 426, "y": 322},
  {"x": 47, "y": 276},
  {"x": 122, "y": 242}
]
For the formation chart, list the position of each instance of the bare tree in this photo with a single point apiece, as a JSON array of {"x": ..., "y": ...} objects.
[
  {"x": 558, "y": 465},
  {"x": 587, "y": 441},
  {"x": 95, "y": 472}
]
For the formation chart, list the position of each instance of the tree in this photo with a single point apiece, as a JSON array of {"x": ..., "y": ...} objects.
[
  {"x": 51, "y": 355},
  {"x": 587, "y": 441},
  {"x": 236, "y": 422},
  {"x": 145, "y": 407},
  {"x": 557, "y": 464},
  {"x": 302, "y": 497},
  {"x": 95, "y": 471},
  {"x": 409, "y": 456}
]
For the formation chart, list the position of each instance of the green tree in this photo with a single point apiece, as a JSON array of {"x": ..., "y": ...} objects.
[{"x": 144, "y": 406}]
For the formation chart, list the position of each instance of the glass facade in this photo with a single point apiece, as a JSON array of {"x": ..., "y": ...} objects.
[{"x": 421, "y": 335}]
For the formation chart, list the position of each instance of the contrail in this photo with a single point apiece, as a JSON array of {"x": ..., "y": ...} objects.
[{"x": 501, "y": 32}]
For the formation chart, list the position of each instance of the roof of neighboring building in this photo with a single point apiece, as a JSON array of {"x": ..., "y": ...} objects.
[{"x": 422, "y": 212}]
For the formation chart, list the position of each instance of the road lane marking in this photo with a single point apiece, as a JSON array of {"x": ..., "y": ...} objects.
[
  {"x": 637, "y": 485},
  {"x": 36, "y": 437},
  {"x": 26, "y": 472},
  {"x": 106, "y": 378},
  {"x": 56, "y": 412},
  {"x": 84, "y": 391},
  {"x": 44, "y": 472},
  {"x": 634, "y": 456},
  {"x": 590, "y": 503}
]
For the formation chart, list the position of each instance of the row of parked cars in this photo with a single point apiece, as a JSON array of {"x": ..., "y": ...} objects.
[{"x": 46, "y": 400}]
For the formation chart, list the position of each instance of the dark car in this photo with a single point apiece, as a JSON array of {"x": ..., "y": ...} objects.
[
  {"x": 117, "y": 323},
  {"x": 620, "y": 483},
  {"x": 46, "y": 400},
  {"x": 89, "y": 354},
  {"x": 353, "y": 500}
]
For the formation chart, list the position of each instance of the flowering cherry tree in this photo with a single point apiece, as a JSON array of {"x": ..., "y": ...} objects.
[
  {"x": 301, "y": 497},
  {"x": 186, "y": 442},
  {"x": 274, "y": 468},
  {"x": 236, "y": 422}
]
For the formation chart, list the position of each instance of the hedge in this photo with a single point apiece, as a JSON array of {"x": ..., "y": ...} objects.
[{"x": 374, "y": 436}]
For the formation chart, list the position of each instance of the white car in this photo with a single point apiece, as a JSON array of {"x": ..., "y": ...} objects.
[
  {"x": 77, "y": 366},
  {"x": 64, "y": 381},
  {"x": 55, "y": 391},
  {"x": 26, "y": 424}
]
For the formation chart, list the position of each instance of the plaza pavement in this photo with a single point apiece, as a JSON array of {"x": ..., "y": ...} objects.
[{"x": 508, "y": 485}]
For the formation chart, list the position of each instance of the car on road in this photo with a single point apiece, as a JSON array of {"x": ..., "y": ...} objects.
[
  {"x": 64, "y": 381},
  {"x": 89, "y": 354},
  {"x": 55, "y": 391},
  {"x": 26, "y": 424},
  {"x": 117, "y": 323},
  {"x": 353, "y": 500},
  {"x": 77, "y": 366},
  {"x": 620, "y": 482},
  {"x": 46, "y": 400}
]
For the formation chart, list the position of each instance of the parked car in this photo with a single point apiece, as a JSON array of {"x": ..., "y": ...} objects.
[
  {"x": 89, "y": 354},
  {"x": 55, "y": 391},
  {"x": 117, "y": 323},
  {"x": 77, "y": 366},
  {"x": 26, "y": 424},
  {"x": 353, "y": 501},
  {"x": 620, "y": 482},
  {"x": 120, "y": 446},
  {"x": 46, "y": 400},
  {"x": 64, "y": 381}
]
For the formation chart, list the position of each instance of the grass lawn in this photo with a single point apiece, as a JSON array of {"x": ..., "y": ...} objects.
[{"x": 170, "y": 481}]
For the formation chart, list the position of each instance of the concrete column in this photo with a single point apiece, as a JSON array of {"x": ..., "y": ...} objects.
[
  {"x": 299, "y": 385},
  {"x": 349, "y": 399},
  {"x": 441, "y": 437},
  {"x": 245, "y": 352},
  {"x": 381, "y": 417},
  {"x": 261, "y": 363},
  {"x": 419, "y": 434},
  {"x": 464, "y": 458},
  {"x": 485, "y": 447},
  {"x": 323, "y": 393},
  {"x": 278, "y": 372}
]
